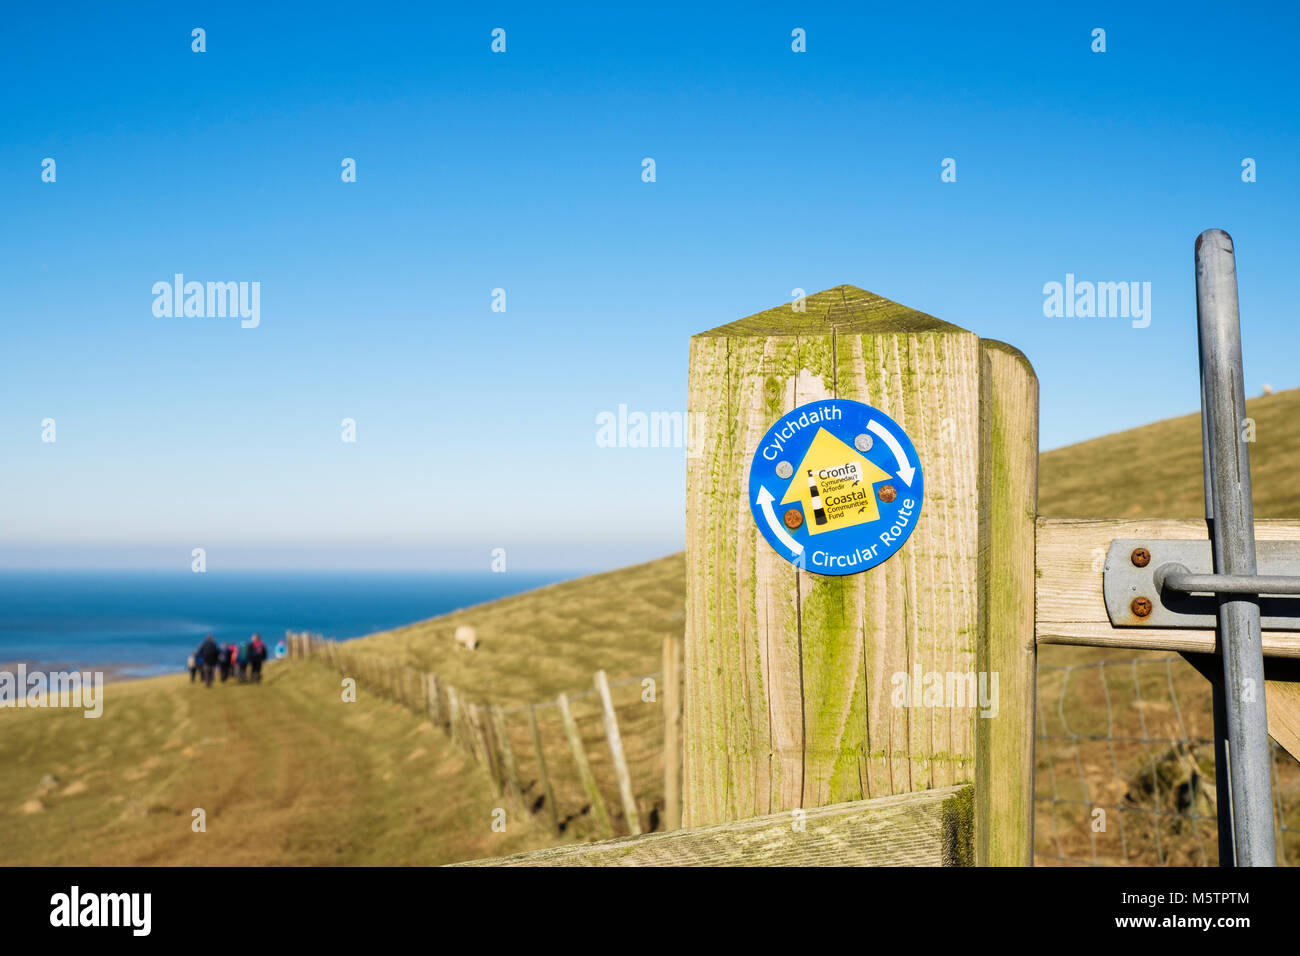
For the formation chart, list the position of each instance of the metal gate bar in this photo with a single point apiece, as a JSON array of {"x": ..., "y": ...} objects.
[{"x": 1241, "y": 720}]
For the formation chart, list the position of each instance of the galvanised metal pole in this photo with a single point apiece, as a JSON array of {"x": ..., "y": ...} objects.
[
  {"x": 1223, "y": 411},
  {"x": 1222, "y": 789}
]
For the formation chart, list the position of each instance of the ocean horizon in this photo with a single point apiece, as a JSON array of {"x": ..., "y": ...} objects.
[{"x": 145, "y": 623}]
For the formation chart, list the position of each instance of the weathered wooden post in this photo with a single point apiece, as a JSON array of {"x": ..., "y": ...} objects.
[
  {"x": 604, "y": 825},
  {"x": 548, "y": 794},
  {"x": 672, "y": 704},
  {"x": 806, "y": 689},
  {"x": 509, "y": 765},
  {"x": 615, "y": 740},
  {"x": 433, "y": 698}
]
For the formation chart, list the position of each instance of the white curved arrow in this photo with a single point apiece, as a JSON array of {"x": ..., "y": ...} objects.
[
  {"x": 905, "y": 469},
  {"x": 765, "y": 500}
]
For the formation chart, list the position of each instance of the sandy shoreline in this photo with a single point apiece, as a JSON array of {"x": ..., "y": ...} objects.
[{"x": 113, "y": 673}]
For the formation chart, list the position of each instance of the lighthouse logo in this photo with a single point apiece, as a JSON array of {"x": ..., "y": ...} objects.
[
  {"x": 836, "y": 487},
  {"x": 815, "y": 499}
]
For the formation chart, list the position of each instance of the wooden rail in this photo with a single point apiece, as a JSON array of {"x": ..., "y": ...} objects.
[
  {"x": 1069, "y": 608},
  {"x": 928, "y": 828}
]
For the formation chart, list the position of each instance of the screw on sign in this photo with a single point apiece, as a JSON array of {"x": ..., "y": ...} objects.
[{"x": 849, "y": 480}]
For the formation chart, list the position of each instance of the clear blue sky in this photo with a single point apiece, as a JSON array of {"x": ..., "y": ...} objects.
[{"x": 522, "y": 170}]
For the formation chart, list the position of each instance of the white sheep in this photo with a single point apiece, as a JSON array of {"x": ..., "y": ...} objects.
[{"x": 467, "y": 637}]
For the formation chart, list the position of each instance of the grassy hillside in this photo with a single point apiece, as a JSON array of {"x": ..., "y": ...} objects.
[
  {"x": 1155, "y": 470},
  {"x": 548, "y": 641},
  {"x": 537, "y": 644},
  {"x": 287, "y": 773}
]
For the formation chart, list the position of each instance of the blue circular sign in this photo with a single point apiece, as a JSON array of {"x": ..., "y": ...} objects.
[{"x": 836, "y": 486}]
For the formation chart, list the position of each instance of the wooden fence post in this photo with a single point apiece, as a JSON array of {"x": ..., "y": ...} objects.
[
  {"x": 434, "y": 699},
  {"x": 482, "y": 735},
  {"x": 616, "y": 752},
  {"x": 542, "y": 772},
  {"x": 453, "y": 705},
  {"x": 509, "y": 767},
  {"x": 1004, "y": 756},
  {"x": 792, "y": 678},
  {"x": 672, "y": 704},
  {"x": 598, "y": 808}
]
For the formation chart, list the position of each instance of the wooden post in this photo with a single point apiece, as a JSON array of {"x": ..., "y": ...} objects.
[
  {"x": 482, "y": 736},
  {"x": 598, "y": 808},
  {"x": 453, "y": 706},
  {"x": 509, "y": 767},
  {"x": 792, "y": 678},
  {"x": 616, "y": 752},
  {"x": 542, "y": 772},
  {"x": 1008, "y": 494},
  {"x": 434, "y": 699},
  {"x": 672, "y": 704}
]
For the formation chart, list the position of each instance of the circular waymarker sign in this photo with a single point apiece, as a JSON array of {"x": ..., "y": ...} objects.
[{"x": 836, "y": 487}]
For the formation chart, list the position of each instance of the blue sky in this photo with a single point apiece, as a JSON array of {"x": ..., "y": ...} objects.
[{"x": 522, "y": 171}]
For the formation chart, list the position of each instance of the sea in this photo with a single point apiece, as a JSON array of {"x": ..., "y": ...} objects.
[{"x": 144, "y": 623}]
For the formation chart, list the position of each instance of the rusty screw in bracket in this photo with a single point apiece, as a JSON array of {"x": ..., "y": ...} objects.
[
  {"x": 1141, "y": 607},
  {"x": 1141, "y": 557},
  {"x": 887, "y": 493},
  {"x": 793, "y": 519}
]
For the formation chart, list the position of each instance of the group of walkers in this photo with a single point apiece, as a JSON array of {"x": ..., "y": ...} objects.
[{"x": 243, "y": 662}]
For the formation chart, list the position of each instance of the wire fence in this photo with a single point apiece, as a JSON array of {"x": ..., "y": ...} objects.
[
  {"x": 1125, "y": 771},
  {"x": 568, "y": 772}
]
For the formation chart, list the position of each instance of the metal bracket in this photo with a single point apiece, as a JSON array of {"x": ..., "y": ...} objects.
[{"x": 1174, "y": 583}]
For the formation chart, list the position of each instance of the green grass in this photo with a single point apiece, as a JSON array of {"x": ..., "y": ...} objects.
[
  {"x": 1155, "y": 471},
  {"x": 535, "y": 645},
  {"x": 287, "y": 773}
]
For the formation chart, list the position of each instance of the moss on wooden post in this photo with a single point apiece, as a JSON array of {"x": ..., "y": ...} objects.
[
  {"x": 790, "y": 676},
  {"x": 1004, "y": 778},
  {"x": 958, "y": 822}
]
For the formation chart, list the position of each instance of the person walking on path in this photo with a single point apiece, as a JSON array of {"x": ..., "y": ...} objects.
[
  {"x": 192, "y": 662},
  {"x": 208, "y": 654},
  {"x": 256, "y": 654}
]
